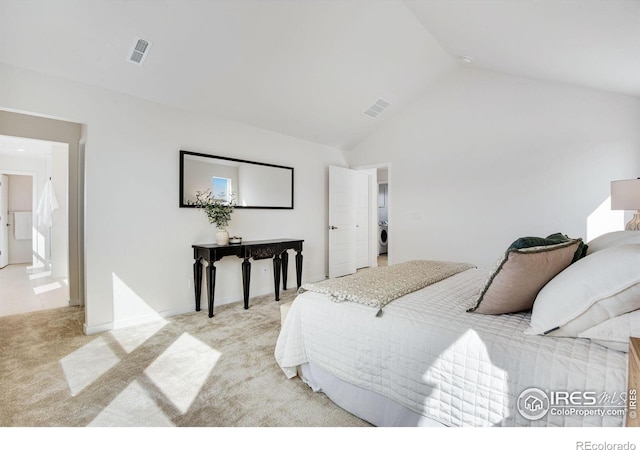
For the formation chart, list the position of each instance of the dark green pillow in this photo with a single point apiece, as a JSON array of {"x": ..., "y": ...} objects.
[{"x": 552, "y": 239}]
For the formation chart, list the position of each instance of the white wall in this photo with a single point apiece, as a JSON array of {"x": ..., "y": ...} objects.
[
  {"x": 483, "y": 158},
  {"x": 137, "y": 241},
  {"x": 383, "y": 202}
]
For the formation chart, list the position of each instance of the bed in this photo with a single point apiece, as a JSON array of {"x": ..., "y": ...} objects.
[{"x": 433, "y": 357}]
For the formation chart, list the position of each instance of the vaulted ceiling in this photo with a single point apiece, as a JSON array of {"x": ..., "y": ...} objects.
[{"x": 310, "y": 68}]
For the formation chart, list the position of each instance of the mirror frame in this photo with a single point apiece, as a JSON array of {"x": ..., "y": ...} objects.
[{"x": 183, "y": 153}]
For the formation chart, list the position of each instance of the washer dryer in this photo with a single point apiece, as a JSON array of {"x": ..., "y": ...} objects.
[{"x": 383, "y": 237}]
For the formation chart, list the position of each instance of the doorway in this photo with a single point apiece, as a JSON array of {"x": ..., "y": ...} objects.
[
  {"x": 354, "y": 240},
  {"x": 34, "y": 240},
  {"x": 383, "y": 215}
]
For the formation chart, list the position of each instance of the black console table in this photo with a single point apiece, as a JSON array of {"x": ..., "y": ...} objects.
[{"x": 276, "y": 249}]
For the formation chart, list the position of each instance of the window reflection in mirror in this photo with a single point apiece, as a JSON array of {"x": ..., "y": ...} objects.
[
  {"x": 250, "y": 184},
  {"x": 221, "y": 188}
]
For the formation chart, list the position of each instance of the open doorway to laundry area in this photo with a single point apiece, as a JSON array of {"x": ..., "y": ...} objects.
[
  {"x": 358, "y": 219},
  {"x": 34, "y": 226},
  {"x": 383, "y": 215}
]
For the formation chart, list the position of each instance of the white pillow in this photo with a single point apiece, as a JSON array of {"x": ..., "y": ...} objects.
[
  {"x": 612, "y": 306},
  {"x": 612, "y": 239},
  {"x": 615, "y": 333},
  {"x": 595, "y": 288}
]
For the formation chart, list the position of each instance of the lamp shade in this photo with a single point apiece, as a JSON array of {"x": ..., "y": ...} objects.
[{"x": 625, "y": 194}]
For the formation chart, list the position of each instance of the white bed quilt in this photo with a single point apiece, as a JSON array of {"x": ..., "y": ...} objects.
[{"x": 458, "y": 368}]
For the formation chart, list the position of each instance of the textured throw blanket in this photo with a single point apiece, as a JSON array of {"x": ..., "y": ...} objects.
[{"x": 381, "y": 285}]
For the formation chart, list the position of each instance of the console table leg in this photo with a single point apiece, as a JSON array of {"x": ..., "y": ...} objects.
[
  {"x": 299, "y": 268},
  {"x": 276, "y": 275},
  {"x": 197, "y": 281},
  {"x": 211, "y": 285},
  {"x": 246, "y": 280},
  {"x": 285, "y": 263}
]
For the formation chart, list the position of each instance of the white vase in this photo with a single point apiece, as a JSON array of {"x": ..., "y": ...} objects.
[{"x": 222, "y": 237}]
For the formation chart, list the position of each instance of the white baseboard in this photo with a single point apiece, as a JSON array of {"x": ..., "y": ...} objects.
[
  {"x": 204, "y": 305},
  {"x": 97, "y": 329}
]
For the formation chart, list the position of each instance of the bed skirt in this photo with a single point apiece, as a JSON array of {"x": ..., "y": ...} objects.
[{"x": 369, "y": 406}]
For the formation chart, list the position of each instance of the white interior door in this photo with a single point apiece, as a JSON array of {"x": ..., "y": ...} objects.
[
  {"x": 362, "y": 219},
  {"x": 342, "y": 221},
  {"x": 4, "y": 213}
]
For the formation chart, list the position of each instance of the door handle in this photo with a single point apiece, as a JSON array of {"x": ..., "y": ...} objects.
[{"x": 333, "y": 228}]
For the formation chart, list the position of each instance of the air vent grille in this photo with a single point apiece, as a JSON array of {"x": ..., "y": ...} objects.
[
  {"x": 377, "y": 108},
  {"x": 139, "y": 51}
]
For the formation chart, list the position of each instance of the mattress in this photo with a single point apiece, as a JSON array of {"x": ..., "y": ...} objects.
[{"x": 426, "y": 353}]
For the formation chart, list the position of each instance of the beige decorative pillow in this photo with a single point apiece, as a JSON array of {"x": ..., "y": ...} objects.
[{"x": 521, "y": 274}]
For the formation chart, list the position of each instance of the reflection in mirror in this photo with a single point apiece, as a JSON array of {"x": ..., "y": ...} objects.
[{"x": 250, "y": 184}]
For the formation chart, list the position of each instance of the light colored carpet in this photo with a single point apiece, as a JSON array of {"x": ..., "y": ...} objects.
[{"x": 187, "y": 371}]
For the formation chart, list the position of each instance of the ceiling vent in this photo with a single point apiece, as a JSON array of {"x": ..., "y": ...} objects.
[
  {"x": 377, "y": 108},
  {"x": 139, "y": 51}
]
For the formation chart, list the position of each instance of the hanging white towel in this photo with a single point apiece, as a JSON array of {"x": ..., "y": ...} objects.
[
  {"x": 22, "y": 222},
  {"x": 47, "y": 204}
]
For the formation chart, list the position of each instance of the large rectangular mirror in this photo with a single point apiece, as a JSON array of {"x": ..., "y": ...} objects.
[{"x": 252, "y": 184}]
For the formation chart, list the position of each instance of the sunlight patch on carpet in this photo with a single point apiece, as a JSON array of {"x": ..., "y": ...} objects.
[
  {"x": 87, "y": 364},
  {"x": 182, "y": 369},
  {"x": 132, "y": 408}
]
